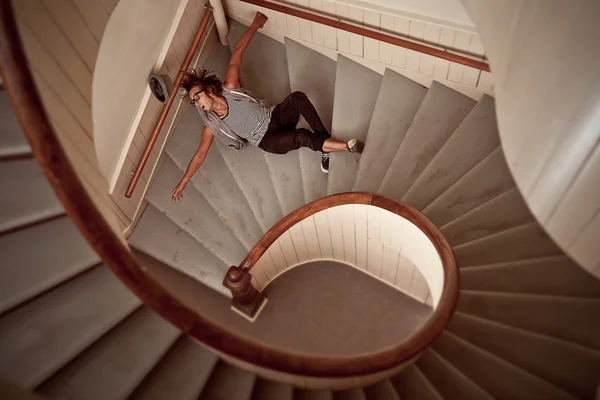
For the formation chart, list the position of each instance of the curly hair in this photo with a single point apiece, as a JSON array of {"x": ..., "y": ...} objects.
[{"x": 206, "y": 80}]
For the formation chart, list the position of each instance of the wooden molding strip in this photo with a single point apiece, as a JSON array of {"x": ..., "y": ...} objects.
[
  {"x": 163, "y": 114},
  {"x": 53, "y": 161},
  {"x": 382, "y": 37}
]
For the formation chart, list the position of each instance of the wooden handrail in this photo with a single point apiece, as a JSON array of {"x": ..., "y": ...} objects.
[
  {"x": 382, "y": 37},
  {"x": 163, "y": 114},
  {"x": 46, "y": 148}
]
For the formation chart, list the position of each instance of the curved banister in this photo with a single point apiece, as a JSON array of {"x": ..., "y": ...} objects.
[{"x": 49, "y": 154}]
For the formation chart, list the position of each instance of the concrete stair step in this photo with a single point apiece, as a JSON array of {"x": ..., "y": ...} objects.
[
  {"x": 313, "y": 394},
  {"x": 448, "y": 381},
  {"x": 565, "y": 318},
  {"x": 570, "y": 367},
  {"x": 228, "y": 383},
  {"x": 180, "y": 374},
  {"x": 350, "y": 394},
  {"x": 518, "y": 243},
  {"x": 196, "y": 216},
  {"x": 397, "y": 104},
  {"x": 356, "y": 91},
  {"x": 314, "y": 74},
  {"x": 12, "y": 140},
  {"x": 488, "y": 179},
  {"x": 411, "y": 384},
  {"x": 266, "y": 57},
  {"x": 40, "y": 257},
  {"x": 27, "y": 197},
  {"x": 439, "y": 115},
  {"x": 213, "y": 180},
  {"x": 382, "y": 390},
  {"x": 474, "y": 139},
  {"x": 164, "y": 240},
  {"x": 505, "y": 211},
  {"x": 270, "y": 390},
  {"x": 247, "y": 166},
  {"x": 43, "y": 335},
  {"x": 562, "y": 277},
  {"x": 114, "y": 366},
  {"x": 497, "y": 377}
]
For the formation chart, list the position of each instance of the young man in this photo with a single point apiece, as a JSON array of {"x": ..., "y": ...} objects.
[{"x": 236, "y": 118}]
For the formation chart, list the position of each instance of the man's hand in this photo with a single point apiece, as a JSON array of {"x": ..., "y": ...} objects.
[
  {"x": 259, "y": 20},
  {"x": 177, "y": 193}
]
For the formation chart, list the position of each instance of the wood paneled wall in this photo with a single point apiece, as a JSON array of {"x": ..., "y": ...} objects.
[
  {"x": 372, "y": 53},
  {"x": 374, "y": 240},
  {"x": 61, "y": 39}
]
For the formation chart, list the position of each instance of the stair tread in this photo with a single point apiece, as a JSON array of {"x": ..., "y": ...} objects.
[
  {"x": 502, "y": 212},
  {"x": 449, "y": 382},
  {"x": 43, "y": 335},
  {"x": 570, "y": 367},
  {"x": 566, "y": 318},
  {"x": 270, "y": 390},
  {"x": 248, "y": 166},
  {"x": 562, "y": 277},
  {"x": 314, "y": 74},
  {"x": 313, "y": 394},
  {"x": 492, "y": 373},
  {"x": 486, "y": 180},
  {"x": 30, "y": 197},
  {"x": 382, "y": 390},
  {"x": 228, "y": 383},
  {"x": 439, "y": 115},
  {"x": 517, "y": 243},
  {"x": 113, "y": 366},
  {"x": 60, "y": 252},
  {"x": 213, "y": 180},
  {"x": 267, "y": 57},
  {"x": 356, "y": 90},
  {"x": 350, "y": 394},
  {"x": 471, "y": 142},
  {"x": 12, "y": 140},
  {"x": 397, "y": 104},
  {"x": 161, "y": 238},
  {"x": 180, "y": 374},
  {"x": 194, "y": 215},
  {"x": 411, "y": 384}
]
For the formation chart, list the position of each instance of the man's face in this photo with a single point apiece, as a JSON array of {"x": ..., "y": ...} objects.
[{"x": 199, "y": 98}]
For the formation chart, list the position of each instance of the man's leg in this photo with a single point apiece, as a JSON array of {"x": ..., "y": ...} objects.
[{"x": 296, "y": 104}]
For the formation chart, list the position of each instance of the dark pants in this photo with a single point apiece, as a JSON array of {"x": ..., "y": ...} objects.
[{"x": 282, "y": 135}]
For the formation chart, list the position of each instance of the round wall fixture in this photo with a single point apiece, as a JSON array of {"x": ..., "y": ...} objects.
[{"x": 161, "y": 86}]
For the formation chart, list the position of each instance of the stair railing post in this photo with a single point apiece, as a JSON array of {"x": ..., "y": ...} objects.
[{"x": 246, "y": 298}]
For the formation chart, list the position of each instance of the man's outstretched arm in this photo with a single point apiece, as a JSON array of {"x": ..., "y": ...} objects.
[
  {"x": 195, "y": 163},
  {"x": 232, "y": 77}
]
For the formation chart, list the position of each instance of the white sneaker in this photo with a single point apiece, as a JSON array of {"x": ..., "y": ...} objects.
[{"x": 355, "y": 146}]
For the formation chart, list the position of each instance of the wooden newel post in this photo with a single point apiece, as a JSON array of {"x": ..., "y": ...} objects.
[{"x": 245, "y": 296}]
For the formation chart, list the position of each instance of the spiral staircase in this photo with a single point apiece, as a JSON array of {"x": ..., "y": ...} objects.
[{"x": 527, "y": 320}]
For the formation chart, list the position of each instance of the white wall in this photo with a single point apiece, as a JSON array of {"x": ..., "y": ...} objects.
[
  {"x": 133, "y": 41},
  {"x": 378, "y": 56},
  {"x": 450, "y": 11}
]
